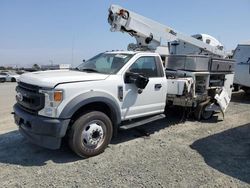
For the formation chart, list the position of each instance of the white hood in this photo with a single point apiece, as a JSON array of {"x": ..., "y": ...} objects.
[{"x": 52, "y": 78}]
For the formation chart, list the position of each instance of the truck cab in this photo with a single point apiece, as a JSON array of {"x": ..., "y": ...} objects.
[{"x": 89, "y": 104}]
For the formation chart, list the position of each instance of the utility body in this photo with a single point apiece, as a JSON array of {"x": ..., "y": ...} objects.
[
  {"x": 242, "y": 68},
  {"x": 122, "y": 89}
]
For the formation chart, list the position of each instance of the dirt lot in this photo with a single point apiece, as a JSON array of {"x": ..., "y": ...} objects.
[{"x": 212, "y": 153}]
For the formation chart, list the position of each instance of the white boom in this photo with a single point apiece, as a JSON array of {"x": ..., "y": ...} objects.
[
  {"x": 197, "y": 63},
  {"x": 151, "y": 34}
]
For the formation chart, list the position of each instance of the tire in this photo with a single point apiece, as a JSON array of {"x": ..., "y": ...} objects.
[
  {"x": 13, "y": 80},
  {"x": 200, "y": 112},
  {"x": 205, "y": 115},
  {"x": 90, "y": 134}
]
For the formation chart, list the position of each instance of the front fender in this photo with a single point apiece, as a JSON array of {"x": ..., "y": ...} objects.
[{"x": 90, "y": 97}]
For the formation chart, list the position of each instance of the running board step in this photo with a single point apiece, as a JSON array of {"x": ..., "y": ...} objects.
[{"x": 132, "y": 124}]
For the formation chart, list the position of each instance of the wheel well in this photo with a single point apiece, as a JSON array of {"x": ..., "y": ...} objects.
[{"x": 95, "y": 106}]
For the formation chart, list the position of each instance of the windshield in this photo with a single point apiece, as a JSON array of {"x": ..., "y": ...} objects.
[{"x": 106, "y": 63}]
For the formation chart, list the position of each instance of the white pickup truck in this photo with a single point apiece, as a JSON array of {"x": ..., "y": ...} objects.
[{"x": 89, "y": 104}]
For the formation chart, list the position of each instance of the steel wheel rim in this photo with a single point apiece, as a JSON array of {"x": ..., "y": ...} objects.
[{"x": 93, "y": 134}]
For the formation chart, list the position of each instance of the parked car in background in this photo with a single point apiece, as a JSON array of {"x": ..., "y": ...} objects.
[
  {"x": 2, "y": 78},
  {"x": 10, "y": 76},
  {"x": 20, "y": 72}
]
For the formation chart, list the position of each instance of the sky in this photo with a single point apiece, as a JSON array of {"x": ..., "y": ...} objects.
[{"x": 68, "y": 31}]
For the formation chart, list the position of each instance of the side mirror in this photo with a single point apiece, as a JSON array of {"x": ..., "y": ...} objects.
[
  {"x": 139, "y": 80},
  {"x": 83, "y": 60}
]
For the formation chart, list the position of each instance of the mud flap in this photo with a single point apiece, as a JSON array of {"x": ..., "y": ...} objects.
[
  {"x": 223, "y": 100},
  {"x": 199, "y": 108},
  {"x": 221, "y": 104}
]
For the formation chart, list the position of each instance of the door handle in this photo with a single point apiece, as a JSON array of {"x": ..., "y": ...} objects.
[{"x": 158, "y": 86}]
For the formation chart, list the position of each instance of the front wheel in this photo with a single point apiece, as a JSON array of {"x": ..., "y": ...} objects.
[{"x": 90, "y": 134}]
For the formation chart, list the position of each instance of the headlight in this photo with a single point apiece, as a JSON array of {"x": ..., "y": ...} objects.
[{"x": 52, "y": 100}]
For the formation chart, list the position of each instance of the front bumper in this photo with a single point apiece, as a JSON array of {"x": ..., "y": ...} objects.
[{"x": 43, "y": 131}]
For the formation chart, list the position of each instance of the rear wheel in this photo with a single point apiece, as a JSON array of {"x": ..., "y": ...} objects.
[
  {"x": 206, "y": 114},
  {"x": 13, "y": 80},
  {"x": 201, "y": 113},
  {"x": 90, "y": 134}
]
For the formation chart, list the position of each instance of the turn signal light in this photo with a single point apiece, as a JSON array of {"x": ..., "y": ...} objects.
[{"x": 58, "y": 96}]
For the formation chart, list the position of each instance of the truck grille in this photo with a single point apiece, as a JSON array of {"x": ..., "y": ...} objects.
[{"x": 29, "y": 98}]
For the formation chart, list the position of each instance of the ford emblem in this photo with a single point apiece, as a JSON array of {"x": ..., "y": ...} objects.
[{"x": 19, "y": 96}]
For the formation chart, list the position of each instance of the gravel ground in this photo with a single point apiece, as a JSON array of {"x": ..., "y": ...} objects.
[{"x": 165, "y": 153}]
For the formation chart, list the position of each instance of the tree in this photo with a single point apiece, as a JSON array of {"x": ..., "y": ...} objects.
[
  {"x": 36, "y": 67},
  {"x": 9, "y": 68}
]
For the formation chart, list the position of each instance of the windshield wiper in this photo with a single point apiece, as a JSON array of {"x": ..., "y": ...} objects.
[{"x": 89, "y": 70}]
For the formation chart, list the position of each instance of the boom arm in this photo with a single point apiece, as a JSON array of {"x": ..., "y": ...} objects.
[{"x": 151, "y": 34}]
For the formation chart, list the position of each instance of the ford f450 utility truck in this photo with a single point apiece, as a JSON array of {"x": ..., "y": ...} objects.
[{"x": 120, "y": 89}]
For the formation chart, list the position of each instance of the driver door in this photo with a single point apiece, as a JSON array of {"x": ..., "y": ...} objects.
[{"x": 152, "y": 99}]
